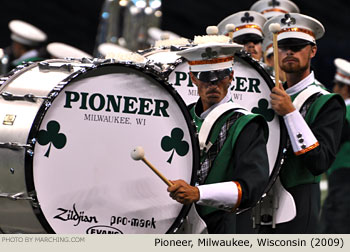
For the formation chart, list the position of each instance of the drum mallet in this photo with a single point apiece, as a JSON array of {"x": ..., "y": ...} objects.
[
  {"x": 212, "y": 30},
  {"x": 275, "y": 28},
  {"x": 138, "y": 153},
  {"x": 230, "y": 28}
]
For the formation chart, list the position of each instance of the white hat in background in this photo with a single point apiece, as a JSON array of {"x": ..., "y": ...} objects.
[
  {"x": 246, "y": 23},
  {"x": 272, "y": 8},
  {"x": 61, "y": 50},
  {"x": 210, "y": 56},
  {"x": 267, "y": 46},
  {"x": 155, "y": 34},
  {"x": 296, "y": 26},
  {"x": 26, "y": 34},
  {"x": 343, "y": 71},
  {"x": 108, "y": 48}
]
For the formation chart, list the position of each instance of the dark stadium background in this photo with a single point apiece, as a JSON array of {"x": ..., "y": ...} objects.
[{"x": 75, "y": 22}]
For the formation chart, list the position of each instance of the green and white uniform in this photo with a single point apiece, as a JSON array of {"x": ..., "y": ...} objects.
[
  {"x": 314, "y": 133},
  {"x": 234, "y": 172}
]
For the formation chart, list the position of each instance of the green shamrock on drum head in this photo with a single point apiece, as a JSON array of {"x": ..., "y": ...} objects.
[
  {"x": 175, "y": 143},
  {"x": 58, "y": 140},
  {"x": 263, "y": 110}
]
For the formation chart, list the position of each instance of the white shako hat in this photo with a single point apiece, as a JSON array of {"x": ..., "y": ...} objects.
[
  {"x": 272, "y": 8},
  {"x": 107, "y": 48},
  {"x": 267, "y": 46},
  {"x": 245, "y": 22},
  {"x": 61, "y": 50},
  {"x": 26, "y": 34},
  {"x": 210, "y": 56},
  {"x": 296, "y": 26},
  {"x": 343, "y": 71}
]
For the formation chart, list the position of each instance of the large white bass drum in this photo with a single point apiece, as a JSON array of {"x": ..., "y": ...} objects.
[{"x": 67, "y": 130}]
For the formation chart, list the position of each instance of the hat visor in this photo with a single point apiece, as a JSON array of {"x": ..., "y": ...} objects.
[
  {"x": 245, "y": 38},
  {"x": 293, "y": 42},
  {"x": 213, "y": 76}
]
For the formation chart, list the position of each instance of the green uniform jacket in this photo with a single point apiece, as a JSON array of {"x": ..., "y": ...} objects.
[
  {"x": 253, "y": 178},
  {"x": 297, "y": 172}
]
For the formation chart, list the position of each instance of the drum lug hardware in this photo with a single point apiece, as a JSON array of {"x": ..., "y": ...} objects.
[
  {"x": 34, "y": 199},
  {"x": 86, "y": 61},
  {"x": 48, "y": 104},
  {"x": 3, "y": 80},
  {"x": 26, "y": 97},
  {"x": 44, "y": 66},
  {"x": 15, "y": 196},
  {"x": 14, "y": 146},
  {"x": 33, "y": 141},
  {"x": 30, "y": 152}
]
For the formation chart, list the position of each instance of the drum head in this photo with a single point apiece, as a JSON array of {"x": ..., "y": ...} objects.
[{"x": 82, "y": 171}]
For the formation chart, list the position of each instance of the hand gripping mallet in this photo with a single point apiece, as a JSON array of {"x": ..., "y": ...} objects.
[
  {"x": 138, "y": 153},
  {"x": 275, "y": 28}
]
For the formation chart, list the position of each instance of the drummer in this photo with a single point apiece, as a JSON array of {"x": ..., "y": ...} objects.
[
  {"x": 234, "y": 170},
  {"x": 27, "y": 41},
  {"x": 247, "y": 31},
  {"x": 313, "y": 117}
]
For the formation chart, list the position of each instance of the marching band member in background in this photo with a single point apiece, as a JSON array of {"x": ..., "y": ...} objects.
[
  {"x": 314, "y": 119},
  {"x": 26, "y": 43},
  {"x": 273, "y": 8},
  {"x": 247, "y": 31},
  {"x": 336, "y": 208},
  {"x": 270, "y": 9},
  {"x": 234, "y": 165}
]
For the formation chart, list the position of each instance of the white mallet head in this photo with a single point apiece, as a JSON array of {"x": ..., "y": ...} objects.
[
  {"x": 138, "y": 153},
  {"x": 230, "y": 27},
  {"x": 274, "y": 27},
  {"x": 212, "y": 30}
]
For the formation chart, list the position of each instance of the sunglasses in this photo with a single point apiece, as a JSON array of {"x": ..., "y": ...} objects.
[
  {"x": 293, "y": 48},
  {"x": 213, "y": 76},
  {"x": 246, "y": 41}
]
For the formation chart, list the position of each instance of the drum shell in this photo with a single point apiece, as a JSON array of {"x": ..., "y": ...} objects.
[{"x": 20, "y": 216}]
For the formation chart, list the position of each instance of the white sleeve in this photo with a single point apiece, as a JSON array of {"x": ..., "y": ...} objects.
[
  {"x": 224, "y": 195},
  {"x": 300, "y": 134}
]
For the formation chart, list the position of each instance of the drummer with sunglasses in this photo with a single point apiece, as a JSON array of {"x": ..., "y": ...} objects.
[
  {"x": 234, "y": 167},
  {"x": 314, "y": 119}
]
